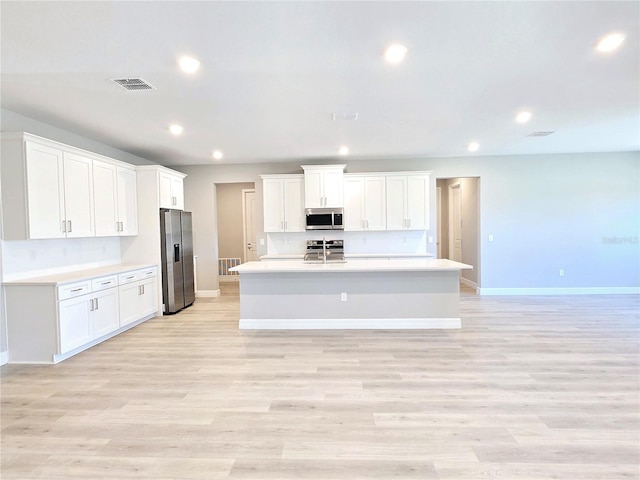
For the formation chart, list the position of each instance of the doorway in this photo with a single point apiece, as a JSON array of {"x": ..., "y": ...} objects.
[
  {"x": 235, "y": 208},
  {"x": 458, "y": 211},
  {"x": 249, "y": 234}
]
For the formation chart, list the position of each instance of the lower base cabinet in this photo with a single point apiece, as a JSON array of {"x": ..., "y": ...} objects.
[
  {"x": 85, "y": 318},
  {"x": 139, "y": 297},
  {"x": 48, "y": 323}
]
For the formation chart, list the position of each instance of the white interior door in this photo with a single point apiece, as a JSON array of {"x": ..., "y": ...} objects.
[
  {"x": 249, "y": 234},
  {"x": 439, "y": 220},
  {"x": 455, "y": 223}
]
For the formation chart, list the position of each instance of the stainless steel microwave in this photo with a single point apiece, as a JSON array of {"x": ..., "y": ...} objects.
[{"x": 324, "y": 218}]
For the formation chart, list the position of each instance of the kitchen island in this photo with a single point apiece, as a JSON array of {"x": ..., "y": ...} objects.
[{"x": 371, "y": 294}]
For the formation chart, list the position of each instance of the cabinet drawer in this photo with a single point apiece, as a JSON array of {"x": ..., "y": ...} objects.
[
  {"x": 103, "y": 283},
  {"x": 129, "y": 277},
  {"x": 148, "y": 273},
  {"x": 74, "y": 289}
]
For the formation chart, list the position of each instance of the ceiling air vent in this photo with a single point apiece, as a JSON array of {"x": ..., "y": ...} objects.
[
  {"x": 133, "y": 84},
  {"x": 539, "y": 134}
]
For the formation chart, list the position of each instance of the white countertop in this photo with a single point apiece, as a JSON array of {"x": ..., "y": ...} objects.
[
  {"x": 352, "y": 255},
  {"x": 399, "y": 265},
  {"x": 77, "y": 275}
]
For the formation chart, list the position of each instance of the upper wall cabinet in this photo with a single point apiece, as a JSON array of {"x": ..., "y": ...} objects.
[
  {"x": 323, "y": 186},
  {"x": 51, "y": 189},
  {"x": 365, "y": 202},
  {"x": 407, "y": 201},
  {"x": 171, "y": 189},
  {"x": 116, "y": 202},
  {"x": 282, "y": 203}
]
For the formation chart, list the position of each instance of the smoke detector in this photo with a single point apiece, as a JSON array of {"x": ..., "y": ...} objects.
[{"x": 133, "y": 84}]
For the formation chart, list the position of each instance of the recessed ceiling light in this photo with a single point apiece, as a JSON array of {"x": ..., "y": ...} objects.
[
  {"x": 395, "y": 53},
  {"x": 176, "y": 129},
  {"x": 523, "y": 117},
  {"x": 610, "y": 42},
  {"x": 343, "y": 150},
  {"x": 217, "y": 154},
  {"x": 473, "y": 146},
  {"x": 189, "y": 64}
]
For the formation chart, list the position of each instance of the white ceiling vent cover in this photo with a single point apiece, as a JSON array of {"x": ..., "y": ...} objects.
[
  {"x": 133, "y": 84},
  {"x": 539, "y": 134}
]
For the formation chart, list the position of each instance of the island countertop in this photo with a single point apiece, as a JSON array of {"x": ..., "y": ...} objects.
[{"x": 373, "y": 265}]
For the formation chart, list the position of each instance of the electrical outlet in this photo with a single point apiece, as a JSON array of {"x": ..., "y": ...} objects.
[
  {"x": 343, "y": 296},
  {"x": 262, "y": 242},
  {"x": 430, "y": 239},
  {"x": 562, "y": 272},
  {"x": 32, "y": 255},
  {"x": 491, "y": 238}
]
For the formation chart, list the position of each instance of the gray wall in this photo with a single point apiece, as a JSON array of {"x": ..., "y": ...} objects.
[
  {"x": 230, "y": 220},
  {"x": 578, "y": 212},
  {"x": 14, "y": 122}
]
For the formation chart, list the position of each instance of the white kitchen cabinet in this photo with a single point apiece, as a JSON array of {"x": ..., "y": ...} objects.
[
  {"x": 53, "y": 317},
  {"x": 365, "y": 202},
  {"x": 87, "y": 317},
  {"x": 115, "y": 205},
  {"x": 138, "y": 295},
  {"x": 127, "y": 201},
  {"x": 58, "y": 191},
  {"x": 323, "y": 186},
  {"x": 171, "y": 190},
  {"x": 407, "y": 201},
  {"x": 78, "y": 195},
  {"x": 283, "y": 203}
]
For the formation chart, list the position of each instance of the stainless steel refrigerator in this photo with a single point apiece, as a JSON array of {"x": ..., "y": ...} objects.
[{"x": 177, "y": 260}]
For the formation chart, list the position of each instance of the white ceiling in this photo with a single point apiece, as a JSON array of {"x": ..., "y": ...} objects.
[{"x": 274, "y": 72}]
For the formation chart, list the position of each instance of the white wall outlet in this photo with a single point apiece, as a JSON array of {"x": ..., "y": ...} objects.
[
  {"x": 262, "y": 242},
  {"x": 491, "y": 238},
  {"x": 562, "y": 272},
  {"x": 343, "y": 297},
  {"x": 430, "y": 239}
]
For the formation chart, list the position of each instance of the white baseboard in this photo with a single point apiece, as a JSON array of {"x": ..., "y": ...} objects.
[
  {"x": 4, "y": 357},
  {"x": 348, "y": 323},
  {"x": 561, "y": 291},
  {"x": 469, "y": 283},
  {"x": 207, "y": 293}
]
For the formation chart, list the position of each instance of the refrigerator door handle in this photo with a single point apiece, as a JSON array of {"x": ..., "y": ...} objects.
[{"x": 176, "y": 252}]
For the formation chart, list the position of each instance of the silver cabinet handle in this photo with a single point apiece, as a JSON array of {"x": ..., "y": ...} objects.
[
  {"x": 91, "y": 303},
  {"x": 106, "y": 283},
  {"x": 142, "y": 289},
  {"x": 97, "y": 305},
  {"x": 77, "y": 289},
  {"x": 282, "y": 225},
  {"x": 130, "y": 277},
  {"x": 64, "y": 227},
  {"x": 286, "y": 225},
  {"x": 69, "y": 226}
]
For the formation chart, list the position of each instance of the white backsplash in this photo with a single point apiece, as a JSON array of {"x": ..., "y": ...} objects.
[
  {"x": 405, "y": 241},
  {"x": 32, "y": 258}
]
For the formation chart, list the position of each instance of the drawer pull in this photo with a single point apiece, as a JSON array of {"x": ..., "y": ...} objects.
[
  {"x": 107, "y": 283},
  {"x": 78, "y": 289},
  {"x": 129, "y": 278}
]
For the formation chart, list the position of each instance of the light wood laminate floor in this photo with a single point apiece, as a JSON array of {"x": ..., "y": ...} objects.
[{"x": 529, "y": 388}]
